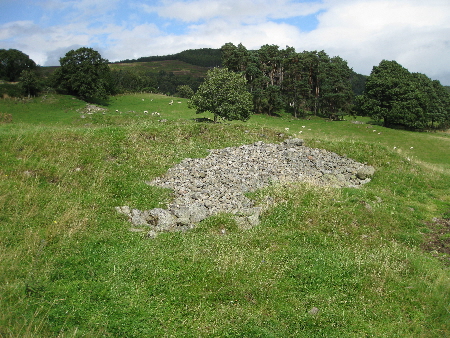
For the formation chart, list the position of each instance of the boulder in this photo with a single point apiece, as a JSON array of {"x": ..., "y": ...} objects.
[{"x": 365, "y": 172}]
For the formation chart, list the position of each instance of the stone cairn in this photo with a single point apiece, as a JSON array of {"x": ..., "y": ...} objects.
[{"x": 217, "y": 183}]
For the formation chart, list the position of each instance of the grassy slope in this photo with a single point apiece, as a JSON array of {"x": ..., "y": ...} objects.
[{"x": 69, "y": 267}]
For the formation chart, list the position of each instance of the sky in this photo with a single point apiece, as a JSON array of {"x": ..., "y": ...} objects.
[{"x": 415, "y": 33}]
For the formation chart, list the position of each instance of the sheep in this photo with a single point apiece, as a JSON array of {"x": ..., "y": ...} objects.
[
  {"x": 156, "y": 113},
  {"x": 145, "y": 112}
]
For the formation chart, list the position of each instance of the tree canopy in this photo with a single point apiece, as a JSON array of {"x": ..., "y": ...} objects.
[
  {"x": 13, "y": 62},
  {"x": 307, "y": 82},
  {"x": 224, "y": 94},
  {"x": 84, "y": 73},
  {"x": 29, "y": 82},
  {"x": 398, "y": 97}
]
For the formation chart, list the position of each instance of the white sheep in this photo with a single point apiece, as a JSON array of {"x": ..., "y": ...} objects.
[{"x": 145, "y": 112}]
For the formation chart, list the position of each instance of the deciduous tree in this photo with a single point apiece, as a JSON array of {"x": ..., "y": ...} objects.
[
  {"x": 84, "y": 73},
  {"x": 224, "y": 94},
  {"x": 398, "y": 97},
  {"x": 13, "y": 62},
  {"x": 29, "y": 82}
]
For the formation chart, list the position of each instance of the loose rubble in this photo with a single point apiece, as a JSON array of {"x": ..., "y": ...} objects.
[{"x": 217, "y": 183}]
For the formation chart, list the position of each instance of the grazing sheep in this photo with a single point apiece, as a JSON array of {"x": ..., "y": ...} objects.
[{"x": 145, "y": 112}]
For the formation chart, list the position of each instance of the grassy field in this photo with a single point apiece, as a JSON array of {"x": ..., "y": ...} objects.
[{"x": 324, "y": 262}]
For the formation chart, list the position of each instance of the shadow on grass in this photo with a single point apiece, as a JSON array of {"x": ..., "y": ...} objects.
[
  {"x": 203, "y": 119},
  {"x": 97, "y": 101}
]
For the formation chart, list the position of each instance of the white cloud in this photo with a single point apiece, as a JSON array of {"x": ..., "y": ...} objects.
[
  {"x": 233, "y": 10},
  {"x": 363, "y": 32},
  {"x": 414, "y": 33}
]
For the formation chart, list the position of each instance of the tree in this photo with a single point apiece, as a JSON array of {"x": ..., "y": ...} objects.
[
  {"x": 13, "y": 62},
  {"x": 84, "y": 73},
  {"x": 29, "y": 82},
  {"x": 223, "y": 93},
  {"x": 185, "y": 91},
  {"x": 234, "y": 58},
  {"x": 337, "y": 94},
  {"x": 398, "y": 97}
]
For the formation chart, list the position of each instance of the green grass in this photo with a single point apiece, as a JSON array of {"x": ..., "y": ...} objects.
[{"x": 70, "y": 267}]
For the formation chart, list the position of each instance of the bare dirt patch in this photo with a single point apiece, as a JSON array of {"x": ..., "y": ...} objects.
[{"x": 438, "y": 240}]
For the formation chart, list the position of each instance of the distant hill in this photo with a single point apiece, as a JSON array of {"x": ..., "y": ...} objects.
[
  {"x": 176, "y": 67},
  {"x": 203, "y": 57},
  {"x": 188, "y": 66}
]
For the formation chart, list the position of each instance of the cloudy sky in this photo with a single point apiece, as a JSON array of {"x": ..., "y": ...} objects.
[{"x": 416, "y": 33}]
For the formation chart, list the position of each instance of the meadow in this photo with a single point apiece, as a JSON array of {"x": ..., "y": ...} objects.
[{"x": 324, "y": 262}]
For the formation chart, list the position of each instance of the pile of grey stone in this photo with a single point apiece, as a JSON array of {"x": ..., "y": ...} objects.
[{"x": 218, "y": 183}]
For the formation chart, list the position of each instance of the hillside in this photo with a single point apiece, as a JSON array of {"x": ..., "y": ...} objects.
[
  {"x": 176, "y": 67},
  {"x": 204, "y": 57},
  {"x": 323, "y": 262}
]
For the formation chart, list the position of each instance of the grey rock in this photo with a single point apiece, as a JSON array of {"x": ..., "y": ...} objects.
[
  {"x": 365, "y": 172},
  {"x": 161, "y": 218},
  {"x": 206, "y": 186},
  {"x": 314, "y": 311},
  {"x": 293, "y": 142}
]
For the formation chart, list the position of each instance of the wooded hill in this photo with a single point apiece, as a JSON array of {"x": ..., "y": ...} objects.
[
  {"x": 196, "y": 62},
  {"x": 204, "y": 57}
]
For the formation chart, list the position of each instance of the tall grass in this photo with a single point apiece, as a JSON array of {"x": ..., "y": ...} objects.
[{"x": 324, "y": 262}]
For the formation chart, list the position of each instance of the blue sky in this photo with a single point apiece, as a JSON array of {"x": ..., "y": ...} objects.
[{"x": 416, "y": 33}]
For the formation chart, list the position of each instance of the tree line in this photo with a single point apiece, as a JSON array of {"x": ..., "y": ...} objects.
[
  {"x": 400, "y": 98},
  {"x": 303, "y": 84},
  {"x": 313, "y": 83}
]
